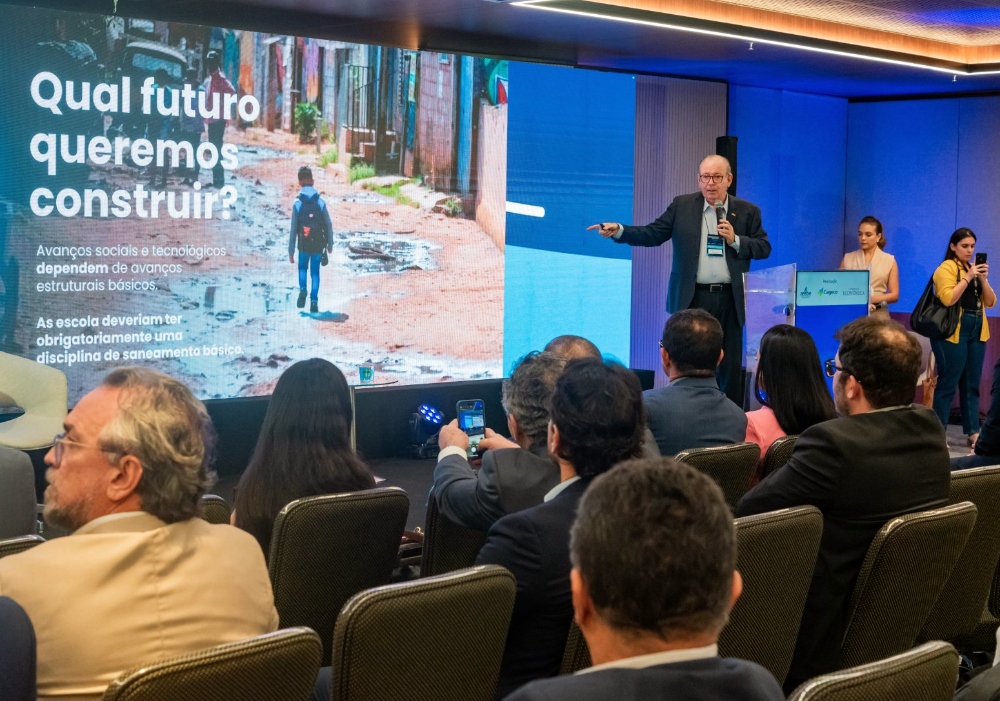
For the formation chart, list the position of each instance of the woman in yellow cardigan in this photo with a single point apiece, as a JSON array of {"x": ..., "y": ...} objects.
[{"x": 960, "y": 357}]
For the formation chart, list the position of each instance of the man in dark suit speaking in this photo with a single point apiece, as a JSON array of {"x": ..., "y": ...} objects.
[
  {"x": 715, "y": 236},
  {"x": 654, "y": 577}
]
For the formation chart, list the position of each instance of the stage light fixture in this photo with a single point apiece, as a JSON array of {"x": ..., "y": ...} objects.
[{"x": 425, "y": 425}]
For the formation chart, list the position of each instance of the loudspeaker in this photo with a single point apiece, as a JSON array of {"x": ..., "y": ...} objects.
[{"x": 725, "y": 146}]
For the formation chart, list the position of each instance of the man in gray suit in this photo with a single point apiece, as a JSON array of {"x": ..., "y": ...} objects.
[
  {"x": 715, "y": 236},
  {"x": 513, "y": 476},
  {"x": 691, "y": 412}
]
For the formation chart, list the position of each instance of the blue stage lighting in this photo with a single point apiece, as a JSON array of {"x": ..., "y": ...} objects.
[
  {"x": 425, "y": 424},
  {"x": 430, "y": 414}
]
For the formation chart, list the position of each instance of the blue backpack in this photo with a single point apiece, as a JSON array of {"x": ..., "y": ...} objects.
[{"x": 312, "y": 230}]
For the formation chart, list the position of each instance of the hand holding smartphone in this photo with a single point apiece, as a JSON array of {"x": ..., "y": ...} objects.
[{"x": 472, "y": 420}]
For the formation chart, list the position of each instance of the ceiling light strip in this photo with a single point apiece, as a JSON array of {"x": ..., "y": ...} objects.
[{"x": 544, "y": 5}]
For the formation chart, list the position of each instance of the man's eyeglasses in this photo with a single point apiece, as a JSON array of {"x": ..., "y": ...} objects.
[
  {"x": 60, "y": 442},
  {"x": 711, "y": 178},
  {"x": 831, "y": 368}
]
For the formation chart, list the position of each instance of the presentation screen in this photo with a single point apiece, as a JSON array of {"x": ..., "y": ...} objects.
[{"x": 219, "y": 203}]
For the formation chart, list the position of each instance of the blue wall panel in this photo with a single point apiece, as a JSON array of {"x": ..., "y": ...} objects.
[
  {"x": 979, "y": 176},
  {"x": 902, "y": 164},
  {"x": 793, "y": 165},
  {"x": 573, "y": 156}
]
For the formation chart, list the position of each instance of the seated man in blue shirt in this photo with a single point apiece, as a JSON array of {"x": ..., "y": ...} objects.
[
  {"x": 654, "y": 578},
  {"x": 692, "y": 412}
]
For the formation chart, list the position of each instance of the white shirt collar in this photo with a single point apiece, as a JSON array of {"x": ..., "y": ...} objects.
[
  {"x": 657, "y": 658},
  {"x": 558, "y": 489},
  {"x": 711, "y": 205}
]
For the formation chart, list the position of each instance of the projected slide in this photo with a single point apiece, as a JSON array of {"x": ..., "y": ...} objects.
[{"x": 150, "y": 203}]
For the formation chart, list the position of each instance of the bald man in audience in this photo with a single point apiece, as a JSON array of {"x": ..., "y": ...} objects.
[
  {"x": 883, "y": 457},
  {"x": 142, "y": 577},
  {"x": 596, "y": 421},
  {"x": 571, "y": 347},
  {"x": 654, "y": 577}
]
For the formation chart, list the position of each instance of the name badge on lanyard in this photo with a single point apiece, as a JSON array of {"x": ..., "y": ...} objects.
[{"x": 714, "y": 241}]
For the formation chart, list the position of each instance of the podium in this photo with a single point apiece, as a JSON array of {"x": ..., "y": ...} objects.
[{"x": 817, "y": 301}]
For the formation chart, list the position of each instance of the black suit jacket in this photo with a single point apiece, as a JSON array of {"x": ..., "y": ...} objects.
[
  {"x": 534, "y": 545},
  {"x": 860, "y": 471},
  {"x": 509, "y": 480},
  {"x": 682, "y": 223},
  {"x": 711, "y": 679}
]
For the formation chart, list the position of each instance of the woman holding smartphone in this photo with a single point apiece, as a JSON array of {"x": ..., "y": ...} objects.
[
  {"x": 883, "y": 273},
  {"x": 961, "y": 279}
]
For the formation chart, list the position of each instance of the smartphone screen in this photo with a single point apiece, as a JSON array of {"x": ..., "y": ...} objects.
[{"x": 472, "y": 420}]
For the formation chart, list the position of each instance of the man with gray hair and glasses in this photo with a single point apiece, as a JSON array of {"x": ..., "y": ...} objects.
[
  {"x": 142, "y": 577},
  {"x": 513, "y": 476}
]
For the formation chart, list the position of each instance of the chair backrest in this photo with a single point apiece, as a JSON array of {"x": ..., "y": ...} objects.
[
  {"x": 925, "y": 673},
  {"x": 18, "y": 653},
  {"x": 993, "y": 603},
  {"x": 325, "y": 549},
  {"x": 214, "y": 509},
  {"x": 448, "y": 546},
  {"x": 776, "y": 556},
  {"x": 959, "y": 608},
  {"x": 777, "y": 455},
  {"x": 13, "y": 546},
  {"x": 438, "y": 638},
  {"x": 903, "y": 573},
  {"x": 17, "y": 494},
  {"x": 280, "y": 665},
  {"x": 732, "y": 466},
  {"x": 577, "y": 653}
]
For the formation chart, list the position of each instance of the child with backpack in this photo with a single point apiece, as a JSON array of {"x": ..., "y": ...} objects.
[{"x": 312, "y": 233}]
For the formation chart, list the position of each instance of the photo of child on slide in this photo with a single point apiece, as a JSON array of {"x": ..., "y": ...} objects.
[{"x": 161, "y": 176}]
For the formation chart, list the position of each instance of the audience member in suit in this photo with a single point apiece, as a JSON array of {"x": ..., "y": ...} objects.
[
  {"x": 304, "y": 448},
  {"x": 142, "y": 577},
  {"x": 986, "y": 450},
  {"x": 654, "y": 577},
  {"x": 884, "y": 457},
  {"x": 596, "y": 421},
  {"x": 797, "y": 398},
  {"x": 511, "y": 478},
  {"x": 691, "y": 412},
  {"x": 17, "y": 653},
  {"x": 569, "y": 347}
]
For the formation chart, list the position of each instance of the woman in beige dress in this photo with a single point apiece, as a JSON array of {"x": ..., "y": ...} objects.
[{"x": 883, "y": 273}]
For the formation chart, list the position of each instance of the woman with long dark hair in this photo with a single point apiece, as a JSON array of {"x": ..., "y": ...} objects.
[
  {"x": 304, "y": 448},
  {"x": 959, "y": 358},
  {"x": 790, "y": 385}
]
